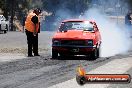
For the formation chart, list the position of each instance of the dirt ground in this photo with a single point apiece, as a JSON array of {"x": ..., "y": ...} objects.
[{"x": 15, "y": 42}]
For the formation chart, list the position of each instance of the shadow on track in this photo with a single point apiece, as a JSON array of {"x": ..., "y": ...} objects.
[{"x": 74, "y": 58}]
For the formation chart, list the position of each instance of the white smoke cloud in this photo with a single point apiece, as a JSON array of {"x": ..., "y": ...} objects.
[{"x": 114, "y": 39}]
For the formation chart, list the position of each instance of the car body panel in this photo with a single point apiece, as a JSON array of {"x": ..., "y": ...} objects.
[
  {"x": 4, "y": 25},
  {"x": 74, "y": 34},
  {"x": 74, "y": 41}
]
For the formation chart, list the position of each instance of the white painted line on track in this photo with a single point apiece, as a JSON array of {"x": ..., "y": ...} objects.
[
  {"x": 10, "y": 57},
  {"x": 116, "y": 66}
]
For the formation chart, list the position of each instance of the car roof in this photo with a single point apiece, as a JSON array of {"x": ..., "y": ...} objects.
[
  {"x": 71, "y": 20},
  {"x": 77, "y": 20}
]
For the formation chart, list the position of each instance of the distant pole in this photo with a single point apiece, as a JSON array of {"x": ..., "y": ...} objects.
[
  {"x": 12, "y": 14},
  {"x": 117, "y": 7}
]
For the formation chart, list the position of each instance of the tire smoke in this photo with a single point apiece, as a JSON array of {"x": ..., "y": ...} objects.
[{"x": 115, "y": 39}]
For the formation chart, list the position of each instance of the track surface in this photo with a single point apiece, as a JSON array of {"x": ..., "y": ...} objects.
[{"x": 42, "y": 72}]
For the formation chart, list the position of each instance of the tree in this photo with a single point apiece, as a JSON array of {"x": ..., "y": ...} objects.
[
  {"x": 59, "y": 7},
  {"x": 129, "y": 3},
  {"x": 2, "y": 4},
  {"x": 20, "y": 7}
]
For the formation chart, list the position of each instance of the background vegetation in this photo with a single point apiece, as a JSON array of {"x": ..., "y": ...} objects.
[{"x": 19, "y": 8}]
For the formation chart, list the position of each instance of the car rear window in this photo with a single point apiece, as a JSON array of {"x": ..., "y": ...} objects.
[{"x": 76, "y": 26}]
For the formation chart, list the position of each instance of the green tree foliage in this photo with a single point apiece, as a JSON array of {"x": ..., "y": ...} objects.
[
  {"x": 3, "y": 7},
  {"x": 16, "y": 5},
  {"x": 63, "y": 9},
  {"x": 20, "y": 7},
  {"x": 75, "y": 6},
  {"x": 129, "y": 3},
  {"x": 2, "y": 4}
]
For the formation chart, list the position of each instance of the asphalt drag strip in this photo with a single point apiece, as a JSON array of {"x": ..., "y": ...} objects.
[
  {"x": 43, "y": 72},
  {"x": 117, "y": 66},
  {"x": 37, "y": 72}
]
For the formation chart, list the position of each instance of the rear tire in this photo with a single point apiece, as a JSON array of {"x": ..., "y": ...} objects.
[
  {"x": 0, "y": 28},
  {"x": 94, "y": 54},
  {"x": 6, "y": 27},
  {"x": 5, "y": 32},
  {"x": 98, "y": 52},
  {"x": 54, "y": 54}
]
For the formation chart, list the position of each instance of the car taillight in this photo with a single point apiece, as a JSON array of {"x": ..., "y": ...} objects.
[
  {"x": 90, "y": 42},
  {"x": 56, "y": 42}
]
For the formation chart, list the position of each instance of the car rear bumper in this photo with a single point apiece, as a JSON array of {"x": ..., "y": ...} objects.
[
  {"x": 82, "y": 50},
  {"x": 3, "y": 27}
]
